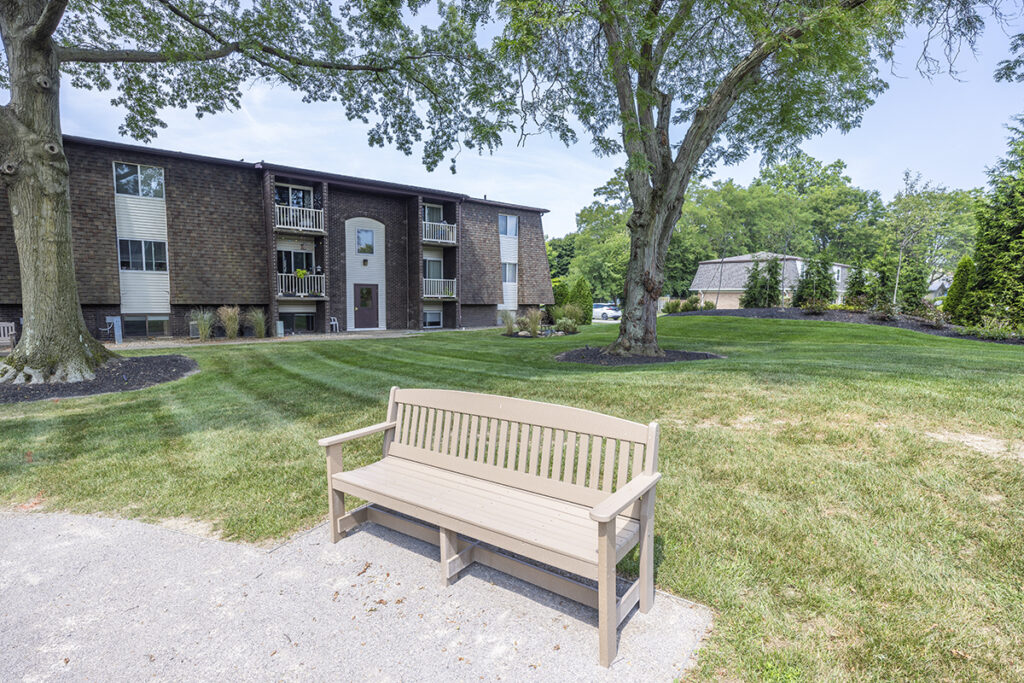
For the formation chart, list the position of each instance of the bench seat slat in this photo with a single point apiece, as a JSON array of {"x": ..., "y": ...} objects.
[{"x": 501, "y": 510}]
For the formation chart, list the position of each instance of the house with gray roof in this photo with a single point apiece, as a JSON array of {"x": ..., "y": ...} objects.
[{"x": 724, "y": 280}]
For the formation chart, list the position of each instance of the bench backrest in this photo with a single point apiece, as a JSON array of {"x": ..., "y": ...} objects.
[
  {"x": 567, "y": 453},
  {"x": 7, "y": 331}
]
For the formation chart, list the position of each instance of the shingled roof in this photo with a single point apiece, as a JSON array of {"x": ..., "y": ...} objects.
[{"x": 730, "y": 274}]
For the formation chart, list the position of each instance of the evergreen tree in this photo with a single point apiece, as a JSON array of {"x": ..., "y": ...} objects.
[
  {"x": 857, "y": 285},
  {"x": 817, "y": 282},
  {"x": 772, "y": 283},
  {"x": 999, "y": 251},
  {"x": 913, "y": 285},
  {"x": 752, "y": 290},
  {"x": 963, "y": 282}
]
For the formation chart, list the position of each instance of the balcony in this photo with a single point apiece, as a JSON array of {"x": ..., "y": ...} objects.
[
  {"x": 438, "y": 289},
  {"x": 441, "y": 233},
  {"x": 299, "y": 218},
  {"x": 289, "y": 285}
]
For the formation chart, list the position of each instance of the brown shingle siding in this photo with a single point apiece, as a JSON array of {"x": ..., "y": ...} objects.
[
  {"x": 534, "y": 271},
  {"x": 480, "y": 255}
]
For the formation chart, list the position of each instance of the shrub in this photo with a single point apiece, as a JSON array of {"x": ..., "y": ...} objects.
[
  {"x": 882, "y": 310},
  {"x": 566, "y": 325},
  {"x": 690, "y": 303},
  {"x": 203, "y": 319},
  {"x": 857, "y": 303},
  {"x": 932, "y": 315},
  {"x": 257, "y": 319},
  {"x": 581, "y": 296},
  {"x": 560, "y": 289},
  {"x": 708, "y": 305},
  {"x": 554, "y": 312},
  {"x": 991, "y": 327},
  {"x": 229, "y": 317},
  {"x": 955, "y": 305},
  {"x": 574, "y": 313},
  {"x": 814, "y": 306},
  {"x": 522, "y": 324},
  {"x": 508, "y": 319},
  {"x": 672, "y": 306}
]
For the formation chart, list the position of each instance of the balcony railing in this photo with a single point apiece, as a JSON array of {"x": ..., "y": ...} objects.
[
  {"x": 438, "y": 289},
  {"x": 438, "y": 232},
  {"x": 299, "y": 218},
  {"x": 293, "y": 285}
]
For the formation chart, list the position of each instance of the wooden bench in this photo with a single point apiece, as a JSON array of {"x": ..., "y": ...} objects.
[
  {"x": 7, "y": 334},
  {"x": 569, "y": 488}
]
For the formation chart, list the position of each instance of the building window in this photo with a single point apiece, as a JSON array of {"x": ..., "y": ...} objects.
[
  {"x": 510, "y": 273},
  {"x": 364, "y": 241},
  {"x": 299, "y": 196},
  {"x": 433, "y": 213},
  {"x": 296, "y": 323},
  {"x": 433, "y": 269},
  {"x": 138, "y": 181},
  {"x": 508, "y": 225},
  {"x": 145, "y": 325},
  {"x": 432, "y": 319},
  {"x": 288, "y": 261},
  {"x": 838, "y": 272},
  {"x": 143, "y": 255}
]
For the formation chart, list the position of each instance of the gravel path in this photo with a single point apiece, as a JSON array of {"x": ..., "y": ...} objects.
[{"x": 108, "y": 599}]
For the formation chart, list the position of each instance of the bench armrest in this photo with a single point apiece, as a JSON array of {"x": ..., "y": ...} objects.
[
  {"x": 609, "y": 508},
  {"x": 356, "y": 434}
]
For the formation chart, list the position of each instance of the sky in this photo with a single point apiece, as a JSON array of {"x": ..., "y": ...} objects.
[{"x": 947, "y": 129}]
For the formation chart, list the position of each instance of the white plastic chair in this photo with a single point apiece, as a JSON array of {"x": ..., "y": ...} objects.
[{"x": 335, "y": 327}]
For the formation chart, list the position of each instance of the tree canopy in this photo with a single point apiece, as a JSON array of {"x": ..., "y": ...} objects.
[{"x": 800, "y": 206}]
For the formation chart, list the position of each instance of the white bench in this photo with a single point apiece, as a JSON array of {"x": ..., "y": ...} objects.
[{"x": 569, "y": 488}]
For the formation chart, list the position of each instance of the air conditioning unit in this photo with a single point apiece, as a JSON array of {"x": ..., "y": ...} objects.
[{"x": 193, "y": 330}]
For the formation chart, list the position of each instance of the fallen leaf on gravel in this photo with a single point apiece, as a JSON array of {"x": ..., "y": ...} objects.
[{"x": 363, "y": 570}]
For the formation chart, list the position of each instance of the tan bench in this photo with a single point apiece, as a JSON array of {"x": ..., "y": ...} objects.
[
  {"x": 569, "y": 488},
  {"x": 7, "y": 333}
]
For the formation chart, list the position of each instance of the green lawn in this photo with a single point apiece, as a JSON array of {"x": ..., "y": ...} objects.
[{"x": 803, "y": 498}]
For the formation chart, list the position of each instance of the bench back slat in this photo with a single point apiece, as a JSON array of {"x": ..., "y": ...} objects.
[{"x": 567, "y": 453}]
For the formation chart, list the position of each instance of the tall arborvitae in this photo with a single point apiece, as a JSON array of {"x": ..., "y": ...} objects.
[
  {"x": 999, "y": 251},
  {"x": 954, "y": 304}
]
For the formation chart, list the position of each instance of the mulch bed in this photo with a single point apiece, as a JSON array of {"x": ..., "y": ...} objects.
[
  {"x": 120, "y": 374},
  {"x": 903, "y": 321},
  {"x": 594, "y": 355}
]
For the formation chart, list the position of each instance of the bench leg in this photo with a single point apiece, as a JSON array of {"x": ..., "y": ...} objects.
[
  {"x": 449, "y": 548},
  {"x": 647, "y": 551},
  {"x": 335, "y": 499},
  {"x": 607, "y": 612}
]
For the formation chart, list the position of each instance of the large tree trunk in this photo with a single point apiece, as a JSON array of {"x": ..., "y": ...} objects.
[
  {"x": 645, "y": 277},
  {"x": 55, "y": 345}
]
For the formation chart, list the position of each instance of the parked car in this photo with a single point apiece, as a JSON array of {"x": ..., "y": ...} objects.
[{"x": 607, "y": 311}]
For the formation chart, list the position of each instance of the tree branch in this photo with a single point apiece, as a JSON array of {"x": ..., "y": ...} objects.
[
  {"x": 102, "y": 56},
  {"x": 710, "y": 115},
  {"x": 48, "y": 20},
  {"x": 639, "y": 187}
]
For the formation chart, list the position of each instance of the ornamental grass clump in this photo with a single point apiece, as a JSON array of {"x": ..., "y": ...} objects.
[
  {"x": 257, "y": 319},
  {"x": 508, "y": 319},
  {"x": 203, "y": 319},
  {"x": 229, "y": 317},
  {"x": 567, "y": 326}
]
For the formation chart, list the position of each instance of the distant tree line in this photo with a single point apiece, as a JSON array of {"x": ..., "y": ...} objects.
[{"x": 801, "y": 207}]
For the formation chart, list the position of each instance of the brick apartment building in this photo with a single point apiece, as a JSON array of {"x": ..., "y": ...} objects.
[{"x": 157, "y": 234}]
